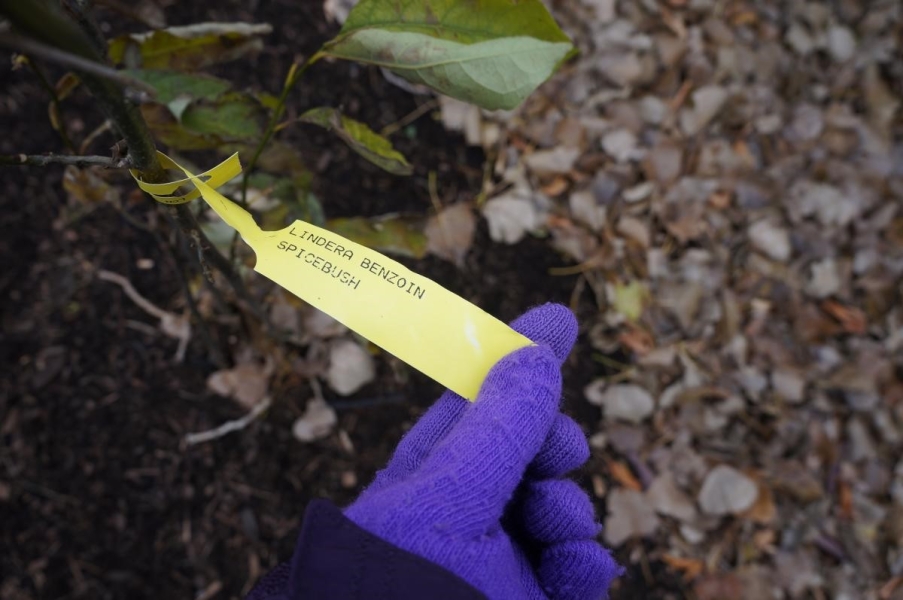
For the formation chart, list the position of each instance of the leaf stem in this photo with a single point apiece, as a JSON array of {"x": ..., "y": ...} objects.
[
  {"x": 42, "y": 160},
  {"x": 294, "y": 75},
  {"x": 61, "y": 57}
]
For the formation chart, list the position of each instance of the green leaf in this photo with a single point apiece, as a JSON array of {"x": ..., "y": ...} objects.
[
  {"x": 398, "y": 234},
  {"x": 359, "y": 138},
  {"x": 188, "y": 48},
  {"x": 630, "y": 299},
  {"x": 171, "y": 85},
  {"x": 231, "y": 118},
  {"x": 493, "y": 53},
  {"x": 462, "y": 21}
]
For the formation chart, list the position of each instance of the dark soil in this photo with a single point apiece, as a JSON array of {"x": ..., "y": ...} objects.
[{"x": 99, "y": 497}]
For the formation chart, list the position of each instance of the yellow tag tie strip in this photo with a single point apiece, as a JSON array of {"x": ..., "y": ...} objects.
[{"x": 425, "y": 325}]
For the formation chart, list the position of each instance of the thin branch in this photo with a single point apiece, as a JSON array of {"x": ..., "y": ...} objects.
[
  {"x": 55, "y": 104},
  {"x": 81, "y": 12},
  {"x": 98, "y": 131},
  {"x": 199, "y": 325},
  {"x": 32, "y": 47},
  {"x": 42, "y": 160},
  {"x": 69, "y": 40},
  {"x": 294, "y": 75},
  {"x": 171, "y": 324},
  {"x": 410, "y": 117},
  {"x": 130, "y": 291},
  {"x": 229, "y": 426}
]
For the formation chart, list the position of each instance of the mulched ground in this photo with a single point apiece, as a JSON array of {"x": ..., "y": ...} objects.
[{"x": 99, "y": 497}]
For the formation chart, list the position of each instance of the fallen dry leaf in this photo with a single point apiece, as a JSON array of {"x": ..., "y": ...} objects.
[
  {"x": 629, "y": 516},
  {"x": 449, "y": 234},
  {"x": 316, "y": 423},
  {"x": 727, "y": 491},
  {"x": 689, "y": 568},
  {"x": 850, "y": 318},
  {"x": 350, "y": 367},
  {"x": 621, "y": 473},
  {"x": 247, "y": 383}
]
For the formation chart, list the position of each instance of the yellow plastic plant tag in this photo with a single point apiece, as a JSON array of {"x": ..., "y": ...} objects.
[{"x": 406, "y": 314}]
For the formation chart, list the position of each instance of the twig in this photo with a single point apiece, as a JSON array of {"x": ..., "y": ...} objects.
[
  {"x": 55, "y": 103},
  {"x": 81, "y": 12},
  {"x": 229, "y": 426},
  {"x": 34, "y": 48},
  {"x": 410, "y": 117},
  {"x": 294, "y": 75},
  {"x": 173, "y": 325},
  {"x": 130, "y": 291},
  {"x": 37, "y": 20},
  {"x": 98, "y": 131},
  {"x": 42, "y": 160},
  {"x": 199, "y": 326}
]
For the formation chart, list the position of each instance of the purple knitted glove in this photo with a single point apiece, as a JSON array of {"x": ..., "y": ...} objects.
[{"x": 475, "y": 488}]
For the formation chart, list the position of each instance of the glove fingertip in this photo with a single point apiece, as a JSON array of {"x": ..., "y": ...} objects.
[
  {"x": 578, "y": 570},
  {"x": 552, "y": 325},
  {"x": 564, "y": 449}
]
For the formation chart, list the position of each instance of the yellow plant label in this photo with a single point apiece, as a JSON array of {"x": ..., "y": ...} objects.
[{"x": 430, "y": 328}]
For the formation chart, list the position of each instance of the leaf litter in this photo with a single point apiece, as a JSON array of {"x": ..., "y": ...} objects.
[{"x": 726, "y": 181}]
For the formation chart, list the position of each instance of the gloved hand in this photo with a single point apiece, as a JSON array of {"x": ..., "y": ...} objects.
[{"x": 476, "y": 487}]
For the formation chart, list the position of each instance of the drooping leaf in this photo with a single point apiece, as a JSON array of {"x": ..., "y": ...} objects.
[
  {"x": 87, "y": 187},
  {"x": 230, "y": 118},
  {"x": 359, "y": 138},
  {"x": 188, "y": 48},
  {"x": 171, "y": 85},
  {"x": 394, "y": 233},
  {"x": 234, "y": 116},
  {"x": 493, "y": 53}
]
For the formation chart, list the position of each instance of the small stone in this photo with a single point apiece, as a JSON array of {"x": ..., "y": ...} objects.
[
  {"x": 620, "y": 144},
  {"x": 630, "y": 515},
  {"x": 770, "y": 239},
  {"x": 707, "y": 103},
  {"x": 670, "y": 49},
  {"x": 824, "y": 279},
  {"x": 638, "y": 192},
  {"x": 557, "y": 161},
  {"x": 692, "y": 534},
  {"x": 606, "y": 10},
  {"x": 653, "y": 110},
  {"x": 586, "y": 210},
  {"x": 841, "y": 43},
  {"x": 629, "y": 402},
  {"x": 511, "y": 216},
  {"x": 727, "y": 491},
  {"x": 349, "y": 479},
  {"x": 664, "y": 162},
  {"x": 635, "y": 229},
  {"x": 622, "y": 70},
  {"x": 807, "y": 124},
  {"x": 605, "y": 188},
  {"x": 861, "y": 445},
  {"x": 789, "y": 386},
  {"x": 799, "y": 39},
  {"x": 769, "y": 124},
  {"x": 669, "y": 500}
]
